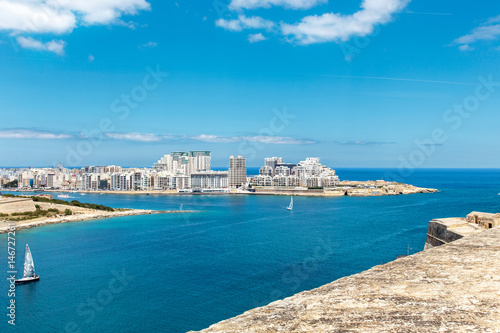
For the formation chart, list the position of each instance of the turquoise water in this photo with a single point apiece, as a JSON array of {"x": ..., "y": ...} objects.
[{"x": 188, "y": 271}]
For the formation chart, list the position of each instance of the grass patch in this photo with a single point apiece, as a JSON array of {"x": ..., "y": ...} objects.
[{"x": 74, "y": 203}]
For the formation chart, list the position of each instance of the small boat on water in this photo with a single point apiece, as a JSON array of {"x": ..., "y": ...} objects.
[
  {"x": 29, "y": 269},
  {"x": 63, "y": 196},
  {"x": 290, "y": 206}
]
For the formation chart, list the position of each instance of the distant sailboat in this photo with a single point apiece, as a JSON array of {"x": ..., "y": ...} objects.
[
  {"x": 290, "y": 206},
  {"x": 180, "y": 209},
  {"x": 29, "y": 269}
]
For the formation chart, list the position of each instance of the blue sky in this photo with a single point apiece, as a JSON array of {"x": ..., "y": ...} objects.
[{"x": 359, "y": 84}]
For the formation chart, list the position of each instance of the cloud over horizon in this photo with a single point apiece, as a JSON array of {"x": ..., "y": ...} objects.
[
  {"x": 151, "y": 138},
  {"x": 32, "y": 134}
]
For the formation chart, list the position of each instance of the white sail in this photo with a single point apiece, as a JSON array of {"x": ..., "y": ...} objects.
[
  {"x": 290, "y": 207},
  {"x": 29, "y": 266}
]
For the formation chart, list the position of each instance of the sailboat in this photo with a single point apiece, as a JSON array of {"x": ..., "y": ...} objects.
[
  {"x": 290, "y": 206},
  {"x": 29, "y": 269}
]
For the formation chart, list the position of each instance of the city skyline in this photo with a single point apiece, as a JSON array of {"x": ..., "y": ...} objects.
[{"x": 241, "y": 83}]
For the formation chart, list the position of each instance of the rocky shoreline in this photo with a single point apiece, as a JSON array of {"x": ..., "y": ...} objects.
[
  {"x": 344, "y": 188},
  {"x": 352, "y": 189}
]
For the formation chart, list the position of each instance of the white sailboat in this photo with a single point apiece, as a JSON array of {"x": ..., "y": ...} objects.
[
  {"x": 29, "y": 269},
  {"x": 290, "y": 206}
]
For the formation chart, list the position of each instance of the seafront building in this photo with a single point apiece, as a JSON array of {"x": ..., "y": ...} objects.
[
  {"x": 184, "y": 163},
  {"x": 186, "y": 171},
  {"x": 181, "y": 171},
  {"x": 309, "y": 173},
  {"x": 237, "y": 174}
]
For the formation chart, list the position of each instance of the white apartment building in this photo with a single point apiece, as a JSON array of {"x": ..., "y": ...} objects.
[
  {"x": 209, "y": 179},
  {"x": 309, "y": 173}
]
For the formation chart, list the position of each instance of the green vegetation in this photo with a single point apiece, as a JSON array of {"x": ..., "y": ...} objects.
[
  {"x": 11, "y": 184},
  {"x": 91, "y": 206},
  {"x": 13, "y": 196},
  {"x": 68, "y": 212},
  {"x": 23, "y": 216},
  {"x": 73, "y": 203}
]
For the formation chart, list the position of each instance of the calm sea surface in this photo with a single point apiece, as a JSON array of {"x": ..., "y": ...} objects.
[{"x": 181, "y": 272}]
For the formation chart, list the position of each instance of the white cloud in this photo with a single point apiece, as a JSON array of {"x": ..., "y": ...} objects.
[
  {"x": 31, "y": 134},
  {"x": 465, "y": 47},
  {"x": 327, "y": 27},
  {"x": 336, "y": 27},
  {"x": 35, "y": 17},
  {"x": 244, "y": 22},
  {"x": 277, "y": 140},
  {"x": 149, "y": 44},
  {"x": 135, "y": 137},
  {"x": 293, "y": 4},
  {"x": 55, "y": 46},
  {"x": 488, "y": 31},
  {"x": 214, "y": 138},
  {"x": 148, "y": 137},
  {"x": 91, "y": 58},
  {"x": 254, "y": 38},
  {"x": 257, "y": 138},
  {"x": 367, "y": 143},
  {"x": 63, "y": 16}
]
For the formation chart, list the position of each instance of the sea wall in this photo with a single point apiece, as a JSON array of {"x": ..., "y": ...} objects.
[
  {"x": 444, "y": 231},
  {"x": 450, "y": 288}
]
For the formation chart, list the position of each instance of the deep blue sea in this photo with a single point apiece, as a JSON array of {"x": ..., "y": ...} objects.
[{"x": 181, "y": 272}]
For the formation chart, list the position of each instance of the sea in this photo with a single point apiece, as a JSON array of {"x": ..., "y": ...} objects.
[{"x": 181, "y": 272}]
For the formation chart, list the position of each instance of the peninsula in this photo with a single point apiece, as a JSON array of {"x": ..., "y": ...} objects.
[{"x": 19, "y": 212}]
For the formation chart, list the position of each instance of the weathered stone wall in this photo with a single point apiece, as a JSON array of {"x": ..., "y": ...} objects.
[
  {"x": 450, "y": 288},
  {"x": 16, "y": 205},
  {"x": 439, "y": 234}
]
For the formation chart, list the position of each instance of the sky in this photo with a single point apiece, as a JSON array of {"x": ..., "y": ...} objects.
[{"x": 368, "y": 83}]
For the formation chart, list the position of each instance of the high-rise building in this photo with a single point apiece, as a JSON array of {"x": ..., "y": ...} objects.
[
  {"x": 182, "y": 163},
  {"x": 237, "y": 174},
  {"x": 199, "y": 161},
  {"x": 273, "y": 161}
]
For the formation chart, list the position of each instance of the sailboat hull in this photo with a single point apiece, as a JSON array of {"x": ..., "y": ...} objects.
[{"x": 27, "y": 280}]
